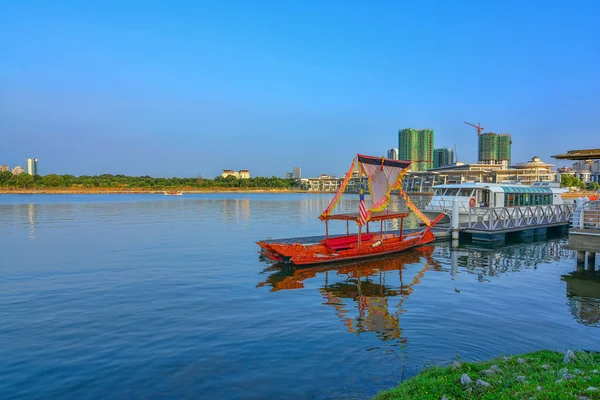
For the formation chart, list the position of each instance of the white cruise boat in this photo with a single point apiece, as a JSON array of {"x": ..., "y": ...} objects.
[{"x": 478, "y": 195}]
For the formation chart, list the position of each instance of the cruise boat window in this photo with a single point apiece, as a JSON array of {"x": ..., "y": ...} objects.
[
  {"x": 452, "y": 192},
  {"x": 485, "y": 198},
  {"x": 466, "y": 192},
  {"x": 509, "y": 200}
]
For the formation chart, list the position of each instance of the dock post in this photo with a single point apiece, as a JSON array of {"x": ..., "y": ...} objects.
[
  {"x": 454, "y": 259},
  {"x": 580, "y": 257},
  {"x": 591, "y": 261},
  {"x": 454, "y": 219},
  {"x": 359, "y": 235}
]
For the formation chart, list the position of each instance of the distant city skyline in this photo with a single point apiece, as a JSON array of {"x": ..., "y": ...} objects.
[{"x": 192, "y": 88}]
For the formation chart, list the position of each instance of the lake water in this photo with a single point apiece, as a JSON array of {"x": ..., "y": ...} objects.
[{"x": 148, "y": 296}]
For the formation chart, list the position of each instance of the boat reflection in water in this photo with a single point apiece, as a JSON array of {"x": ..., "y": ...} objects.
[
  {"x": 358, "y": 291},
  {"x": 583, "y": 294},
  {"x": 368, "y": 296}
]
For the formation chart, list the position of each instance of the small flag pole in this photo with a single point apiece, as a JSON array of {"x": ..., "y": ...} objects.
[{"x": 361, "y": 194}]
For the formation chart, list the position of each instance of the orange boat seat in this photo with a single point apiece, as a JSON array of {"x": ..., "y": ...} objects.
[{"x": 344, "y": 242}]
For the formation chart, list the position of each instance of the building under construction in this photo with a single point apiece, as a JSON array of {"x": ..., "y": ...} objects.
[
  {"x": 443, "y": 157},
  {"x": 494, "y": 148},
  {"x": 416, "y": 145}
]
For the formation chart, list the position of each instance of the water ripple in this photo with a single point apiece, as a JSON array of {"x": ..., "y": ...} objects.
[{"x": 147, "y": 296}]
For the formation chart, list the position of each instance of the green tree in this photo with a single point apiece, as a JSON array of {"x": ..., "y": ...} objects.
[
  {"x": 53, "y": 181},
  {"x": 5, "y": 178},
  {"x": 24, "y": 181},
  {"x": 571, "y": 181}
]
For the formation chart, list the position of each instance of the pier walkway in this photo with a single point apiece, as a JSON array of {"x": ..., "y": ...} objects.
[{"x": 492, "y": 224}]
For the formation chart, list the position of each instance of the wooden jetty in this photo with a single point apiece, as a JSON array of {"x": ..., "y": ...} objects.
[{"x": 584, "y": 235}]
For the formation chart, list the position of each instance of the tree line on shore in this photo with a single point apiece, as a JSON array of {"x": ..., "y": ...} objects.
[
  {"x": 27, "y": 181},
  {"x": 573, "y": 181},
  {"x": 147, "y": 182}
]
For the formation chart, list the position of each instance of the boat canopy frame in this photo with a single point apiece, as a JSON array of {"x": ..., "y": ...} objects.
[{"x": 376, "y": 216}]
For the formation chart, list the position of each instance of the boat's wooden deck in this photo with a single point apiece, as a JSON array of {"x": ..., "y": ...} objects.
[{"x": 308, "y": 240}]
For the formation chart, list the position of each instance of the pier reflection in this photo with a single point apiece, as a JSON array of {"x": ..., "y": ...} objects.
[
  {"x": 489, "y": 262},
  {"x": 583, "y": 295},
  {"x": 366, "y": 296}
]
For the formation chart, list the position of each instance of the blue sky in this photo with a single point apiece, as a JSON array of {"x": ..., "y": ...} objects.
[{"x": 187, "y": 88}]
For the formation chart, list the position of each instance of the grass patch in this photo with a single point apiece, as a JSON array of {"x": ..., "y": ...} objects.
[{"x": 510, "y": 379}]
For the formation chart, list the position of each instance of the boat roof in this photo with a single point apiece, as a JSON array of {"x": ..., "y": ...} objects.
[
  {"x": 502, "y": 187},
  {"x": 375, "y": 216}
]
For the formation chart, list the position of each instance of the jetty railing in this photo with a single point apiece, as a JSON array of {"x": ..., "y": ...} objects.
[
  {"x": 504, "y": 218},
  {"x": 587, "y": 216}
]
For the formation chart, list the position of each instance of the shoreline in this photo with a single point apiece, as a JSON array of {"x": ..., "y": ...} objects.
[
  {"x": 138, "y": 191},
  {"x": 540, "y": 374},
  {"x": 161, "y": 191}
]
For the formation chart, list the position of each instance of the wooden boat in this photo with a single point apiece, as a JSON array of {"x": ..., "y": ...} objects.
[
  {"x": 173, "y": 193},
  {"x": 382, "y": 175}
]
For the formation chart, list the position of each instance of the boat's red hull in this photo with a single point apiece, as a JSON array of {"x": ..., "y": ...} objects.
[{"x": 320, "y": 253}]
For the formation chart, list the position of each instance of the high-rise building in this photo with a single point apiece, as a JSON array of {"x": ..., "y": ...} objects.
[
  {"x": 443, "y": 157},
  {"x": 494, "y": 148},
  {"x": 297, "y": 173},
  {"x": 3, "y": 168},
  {"x": 289, "y": 175},
  {"x": 32, "y": 166},
  {"x": 416, "y": 145},
  {"x": 392, "y": 154},
  {"x": 18, "y": 170}
]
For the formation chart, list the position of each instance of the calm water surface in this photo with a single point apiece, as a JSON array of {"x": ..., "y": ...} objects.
[{"x": 147, "y": 296}]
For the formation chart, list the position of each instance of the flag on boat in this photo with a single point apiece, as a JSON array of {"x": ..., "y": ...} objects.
[{"x": 362, "y": 210}]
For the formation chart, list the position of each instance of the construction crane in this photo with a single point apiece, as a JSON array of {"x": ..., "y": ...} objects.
[{"x": 478, "y": 127}]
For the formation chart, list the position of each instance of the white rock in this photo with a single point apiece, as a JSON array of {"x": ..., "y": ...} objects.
[
  {"x": 546, "y": 367},
  {"x": 495, "y": 368},
  {"x": 456, "y": 365},
  {"x": 591, "y": 389},
  {"x": 465, "y": 380},
  {"x": 506, "y": 358},
  {"x": 569, "y": 356},
  {"x": 482, "y": 384},
  {"x": 558, "y": 381},
  {"x": 521, "y": 378},
  {"x": 577, "y": 371},
  {"x": 567, "y": 377},
  {"x": 444, "y": 398},
  {"x": 521, "y": 361},
  {"x": 595, "y": 371},
  {"x": 469, "y": 390},
  {"x": 565, "y": 370},
  {"x": 488, "y": 372},
  {"x": 539, "y": 388}
]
